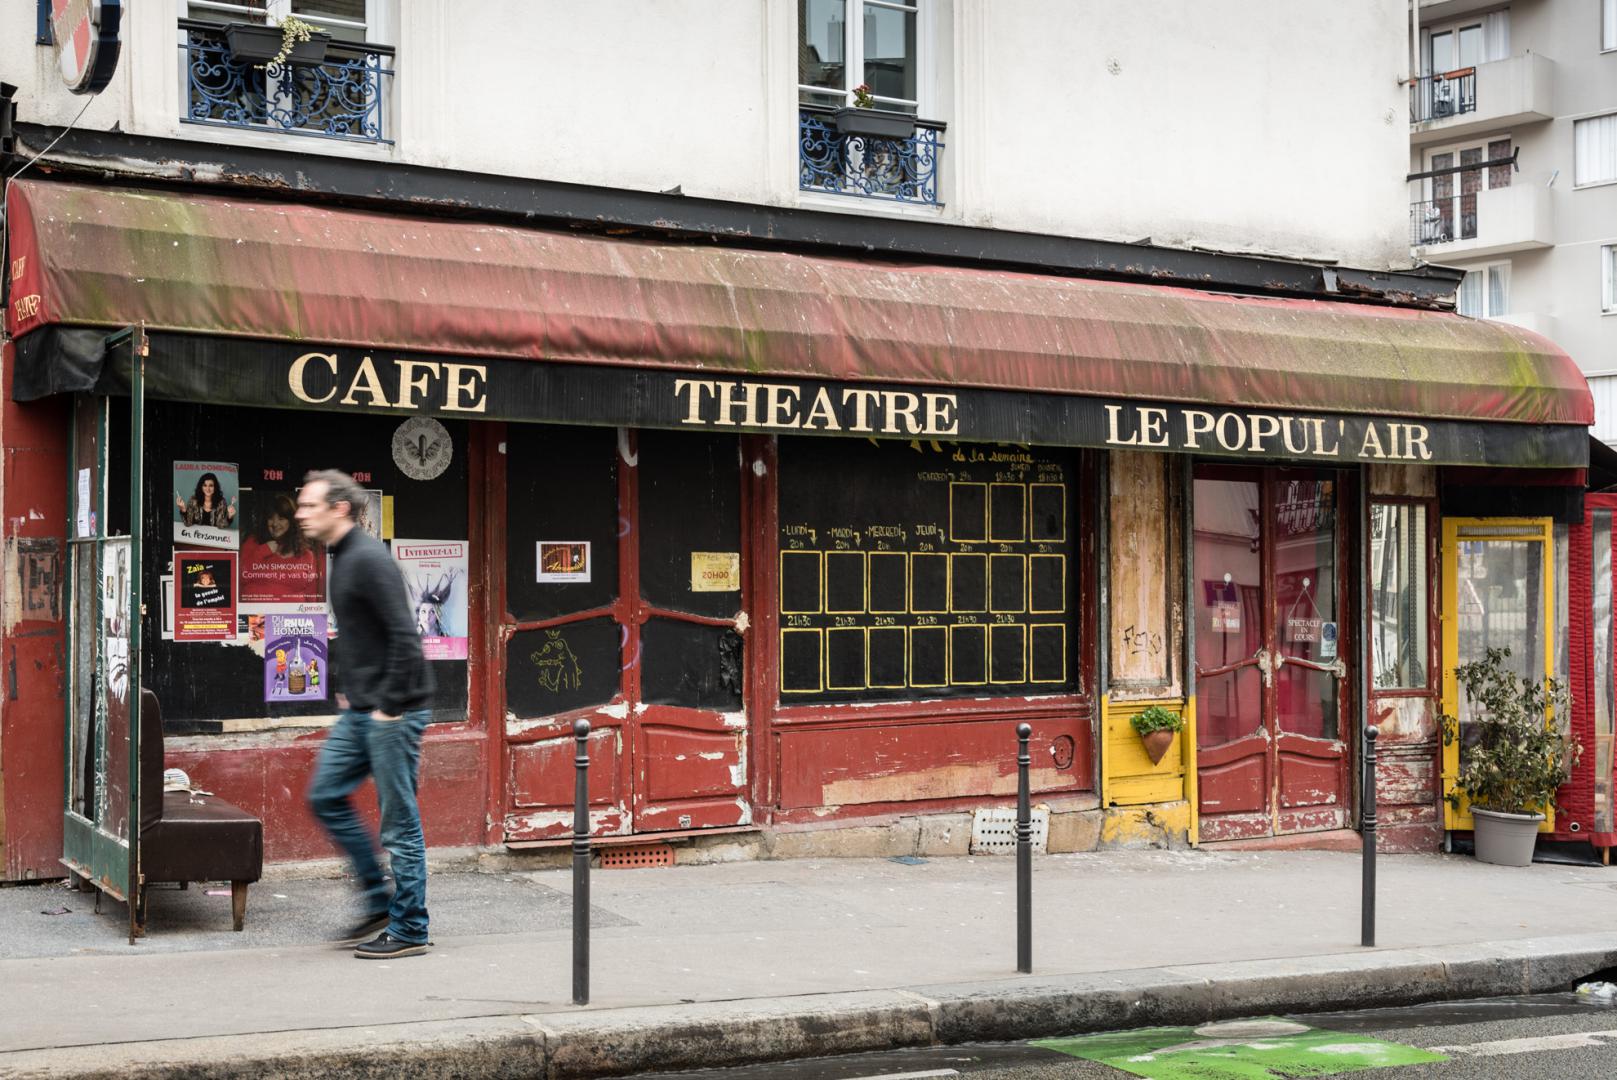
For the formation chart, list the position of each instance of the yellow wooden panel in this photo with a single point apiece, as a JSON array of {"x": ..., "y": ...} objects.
[{"x": 1127, "y": 775}]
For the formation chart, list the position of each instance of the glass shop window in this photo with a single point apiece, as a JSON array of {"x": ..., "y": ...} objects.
[
  {"x": 1399, "y": 595},
  {"x": 239, "y": 636},
  {"x": 926, "y": 570}
]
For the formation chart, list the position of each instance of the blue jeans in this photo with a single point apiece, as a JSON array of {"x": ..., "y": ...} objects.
[{"x": 389, "y": 751}]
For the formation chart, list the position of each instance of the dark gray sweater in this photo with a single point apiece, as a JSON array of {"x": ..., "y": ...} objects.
[{"x": 378, "y": 645}]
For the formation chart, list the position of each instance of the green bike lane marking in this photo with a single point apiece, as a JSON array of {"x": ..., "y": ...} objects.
[{"x": 1266, "y": 1049}]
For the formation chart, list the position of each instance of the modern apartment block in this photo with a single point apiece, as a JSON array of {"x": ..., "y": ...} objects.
[{"x": 1513, "y": 169}]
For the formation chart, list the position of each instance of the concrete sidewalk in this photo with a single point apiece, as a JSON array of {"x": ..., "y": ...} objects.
[{"x": 709, "y": 965}]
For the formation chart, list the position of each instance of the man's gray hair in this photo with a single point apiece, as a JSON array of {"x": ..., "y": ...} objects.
[{"x": 340, "y": 487}]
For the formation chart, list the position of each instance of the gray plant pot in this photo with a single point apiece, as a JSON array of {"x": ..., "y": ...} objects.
[{"x": 1505, "y": 839}]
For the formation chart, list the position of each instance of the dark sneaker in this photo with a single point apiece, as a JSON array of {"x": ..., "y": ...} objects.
[
  {"x": 385, "y": 947},
  {"x": 373, "y": 923}
]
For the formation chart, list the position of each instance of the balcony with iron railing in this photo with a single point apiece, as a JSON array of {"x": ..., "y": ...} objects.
[
  {"x": 343, "y": 97},
  {"x": 901, "y": 169},
  {"x": 1482, "y": 223},
  {"x": 1438, "y": 97},
  {"x": 1489, "y": 97}
]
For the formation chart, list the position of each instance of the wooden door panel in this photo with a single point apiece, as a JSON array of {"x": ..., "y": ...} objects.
[
  {"x": 1240, "y": 786},
  {"x": 682, "y": 763},
  {"x": 1309, "y": 775},
  {"x": 539, "y": 786}
]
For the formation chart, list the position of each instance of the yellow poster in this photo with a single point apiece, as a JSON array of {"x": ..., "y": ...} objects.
[{"x": 715, "y": 571}]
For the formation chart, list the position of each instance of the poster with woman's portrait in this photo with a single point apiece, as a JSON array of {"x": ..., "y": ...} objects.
[
  {"x": 278, "y": 563},
  {"x": 205, "y": 504}
]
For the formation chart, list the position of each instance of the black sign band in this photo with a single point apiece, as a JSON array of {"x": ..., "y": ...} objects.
[{"x": 297, "y": 375}]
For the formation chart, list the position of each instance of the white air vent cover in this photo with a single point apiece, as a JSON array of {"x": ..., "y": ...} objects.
[{"x": 993, "y": 832}]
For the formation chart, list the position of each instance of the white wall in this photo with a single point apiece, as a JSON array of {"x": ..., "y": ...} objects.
[{"x": 1250, "y": 125}]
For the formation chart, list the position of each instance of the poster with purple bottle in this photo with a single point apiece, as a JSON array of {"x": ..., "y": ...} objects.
[{"x": 295, "y": 658}]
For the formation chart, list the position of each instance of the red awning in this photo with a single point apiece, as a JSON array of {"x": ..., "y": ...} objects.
[{"x": 212, "y": 265}]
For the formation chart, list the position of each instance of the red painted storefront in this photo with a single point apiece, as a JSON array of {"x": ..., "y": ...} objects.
[{"x": 741, "y": 346}]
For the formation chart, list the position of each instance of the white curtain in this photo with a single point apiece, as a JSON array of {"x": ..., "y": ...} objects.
[
  {"x": 1608, "y": 24},
  {"x": 1594, "y": 150},
  {"x": 1496, "y": 34},
  {"x": 1470, "y": 298},
  {"x": 1498, "y": 283}
]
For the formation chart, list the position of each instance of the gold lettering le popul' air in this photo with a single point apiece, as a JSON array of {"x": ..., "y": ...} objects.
[{"x": 403, "y": 384}]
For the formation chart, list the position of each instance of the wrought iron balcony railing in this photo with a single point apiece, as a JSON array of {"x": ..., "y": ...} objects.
[
  {"x": 342, "y": 98},
  {"x": 1438, "y": 97},
  {"x": 1443, "y": 221},
  {"x": 867, "y": 166}
]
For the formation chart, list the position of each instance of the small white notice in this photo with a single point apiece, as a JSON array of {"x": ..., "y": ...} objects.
[{"x": 82, "y": 516}]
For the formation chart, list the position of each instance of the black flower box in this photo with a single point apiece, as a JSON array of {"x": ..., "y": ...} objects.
[{"x": 257, "y": 44}]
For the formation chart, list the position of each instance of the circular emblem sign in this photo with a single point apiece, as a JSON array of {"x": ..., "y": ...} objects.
[
  {"x": 85, "y": 33},
  {"x": 422, "y": 448}
]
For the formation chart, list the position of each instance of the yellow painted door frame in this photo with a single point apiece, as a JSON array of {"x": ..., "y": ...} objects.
[{"x": 1458, "y": 530}]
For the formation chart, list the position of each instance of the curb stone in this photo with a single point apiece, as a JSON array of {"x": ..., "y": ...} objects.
[{"x": 614, "y": 1042}]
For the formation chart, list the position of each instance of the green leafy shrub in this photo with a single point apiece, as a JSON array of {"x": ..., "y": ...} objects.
[
  {"x": 1156, "y": 718},
  {"x": 1515, "y": 758}
]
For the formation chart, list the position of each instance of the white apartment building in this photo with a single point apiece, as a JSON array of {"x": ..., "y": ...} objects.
[{"x": 1513, "y": 154}]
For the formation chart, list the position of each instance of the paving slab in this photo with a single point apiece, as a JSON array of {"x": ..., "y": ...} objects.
[{"x": 746, "y": 961}]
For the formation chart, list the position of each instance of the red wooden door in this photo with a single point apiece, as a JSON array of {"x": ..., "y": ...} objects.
[
  {"x": 624, "y": 606},
  {"x": 1270, "y": 660}
]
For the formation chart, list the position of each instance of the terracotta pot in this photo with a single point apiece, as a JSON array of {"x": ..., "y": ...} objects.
[{"x": 1157, "y": 743}]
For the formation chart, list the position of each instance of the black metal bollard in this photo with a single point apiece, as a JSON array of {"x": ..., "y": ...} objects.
[
  {"x": 1367, "y": 903},
  {"x": 581, "y": 863},
  {"x": 1024, "y": 853}
]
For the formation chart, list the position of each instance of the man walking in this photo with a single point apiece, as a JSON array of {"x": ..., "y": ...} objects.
[{"x": 384, "y": 687}]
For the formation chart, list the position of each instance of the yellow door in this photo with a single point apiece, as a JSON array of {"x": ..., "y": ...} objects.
[{"x": 1498, "y": 592}]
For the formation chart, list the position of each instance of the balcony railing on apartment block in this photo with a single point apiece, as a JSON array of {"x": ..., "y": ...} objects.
[
  {"x": 342, "y": 98},
  {"x": 1438, "y": 97},
  {"x": 1443, "y": 221},
  {"x": 867, "y": 166}
]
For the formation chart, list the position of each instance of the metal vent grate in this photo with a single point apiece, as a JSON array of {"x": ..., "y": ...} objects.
[
  {"x": 633, "y": 856},
  {"x": 993, "y": 832}
]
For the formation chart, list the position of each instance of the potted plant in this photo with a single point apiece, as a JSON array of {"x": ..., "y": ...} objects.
[
  {"x": 863, "y": 118},
  {"x": 1156, "y": 727},
  {"x": 1513, "y": 758},
  {"x": 293, "y": 41}
]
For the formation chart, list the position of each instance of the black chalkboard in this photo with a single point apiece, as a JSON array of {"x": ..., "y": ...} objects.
[
  {"x": 802, "y": 660},
  {"x": 968, "y": 582},
  {"x": 1047, "y": 583},
  {"x": 1048, "y": 659},
  {"x": 561, "y": 486},
  {"x": 560, "y": 668},
  {"x": 968, "y": 655},
  {"x": 888, "y": 645},
  {"x": 1049, "y": 512},
  {"x": 845, "y": 658},
  {"x": 889, "y": 582},
  {"x": 1007, "y": 574},
  {"x": 1007, "y": 653},
  {"x": 923, "y": 570},
  {"x": 801, "y": 577},
  {"x": 1007, "y": 514}
]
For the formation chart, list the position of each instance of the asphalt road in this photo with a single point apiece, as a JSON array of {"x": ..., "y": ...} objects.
[{"x": 1548, "y": 1037}]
